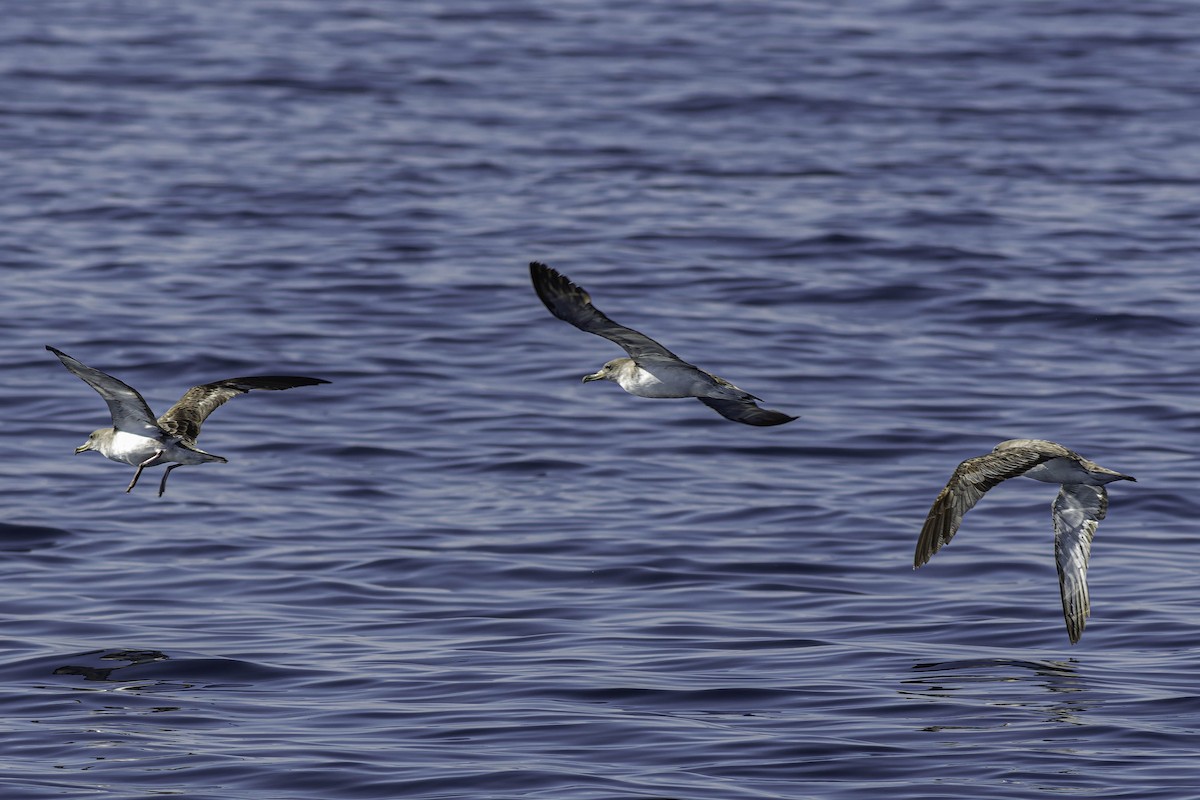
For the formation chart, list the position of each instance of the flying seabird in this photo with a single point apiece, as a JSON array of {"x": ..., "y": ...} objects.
[
  {"x": 138, "y": 439},
  {"x": 1081, "y": 503},
  {"x": 651, "y": 369}
]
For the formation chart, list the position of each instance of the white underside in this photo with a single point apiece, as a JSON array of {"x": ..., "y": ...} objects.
[
  {"x": 135, "y": 449},
  {"x": 131, "y": 448},
  {"x": 1065, "y": 470},
  {"x": 668, "y": 382}
]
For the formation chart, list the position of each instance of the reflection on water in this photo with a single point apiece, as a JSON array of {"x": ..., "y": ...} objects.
[
  {"x": 122, "y": 659},
  {"x": 1006, "y": 682},
  {"x": 16, "y": 538}
]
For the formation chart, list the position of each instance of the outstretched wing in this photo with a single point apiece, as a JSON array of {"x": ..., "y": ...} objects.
[
  {"x": 967, "y": 485},
  {"x": 1077, "y": 512},
  {"x": 185, "y": 417},
  {"x": 746, "y": 411},
  {"x": 128, "y": 408},
  {"x": 572, "y": 304}
]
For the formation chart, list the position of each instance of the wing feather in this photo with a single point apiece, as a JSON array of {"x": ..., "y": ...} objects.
[
  {"x": 970, "y": 481},
  {"x": 128, "y": 408},
  {"x": 746, "y": 411},
  {"x": 185, "y": 417},
  {"x": 1077, "y": 512},
  {"x": 571, "y": 303}
]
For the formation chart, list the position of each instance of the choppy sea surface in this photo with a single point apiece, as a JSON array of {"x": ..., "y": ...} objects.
[{"x": 456, "y": 571}]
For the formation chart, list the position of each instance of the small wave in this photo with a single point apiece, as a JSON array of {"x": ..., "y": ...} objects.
[
  {"x": 1067, "y": 316},
  {"x": 154, "y": 666},
  {"x": 17, "y": 538}
]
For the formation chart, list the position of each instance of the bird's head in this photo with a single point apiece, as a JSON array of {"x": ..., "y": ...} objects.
[
  {"x": 92, "y": 442},
  {"x": 609, "y": 371}
]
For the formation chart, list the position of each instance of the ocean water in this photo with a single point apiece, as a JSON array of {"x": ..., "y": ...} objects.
[{"x": 457, "y": 571}]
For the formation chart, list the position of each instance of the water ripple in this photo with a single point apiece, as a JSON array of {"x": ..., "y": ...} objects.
[{"x": 459, "y": 571}]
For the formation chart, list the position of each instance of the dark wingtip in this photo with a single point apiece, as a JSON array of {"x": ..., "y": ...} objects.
[
  {"x": 767, "y": 418},
  {"x": 737, "y": 411},
  {"x": 60, "y": 355},
  {"x": 924, "y": 553},
  {"x": 540, "y": 272},
  {"x": 301, "y": 380},
  {"x": 292, "y": 381},
  {"x": 933, "y": 531},
  {"x": 556, "y": 290},
  {"x": 274, "y": 382},
  {"x": 920, "y": 557}
]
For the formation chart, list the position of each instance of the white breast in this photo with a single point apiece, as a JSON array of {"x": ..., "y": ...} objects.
[
  {"x": 131, "y": 448},
  {"x": 663, "y": 382}
]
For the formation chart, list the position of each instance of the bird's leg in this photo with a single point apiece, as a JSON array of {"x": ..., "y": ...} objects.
[
  {"x": 136, "y": 475},
  {"x": 162, "y": 485},
  {"x": 149, "y": 462}
]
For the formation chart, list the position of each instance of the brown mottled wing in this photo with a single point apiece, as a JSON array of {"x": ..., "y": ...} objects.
[
  {"x": 746, "y": 411},
  {"x": 185, "y": 417},
  {"x": 572, "y": 304},
  {"x": 128, "y": 408},
  {"x": 967, "y": 485},
  {"x": 1077, "y": 512}
]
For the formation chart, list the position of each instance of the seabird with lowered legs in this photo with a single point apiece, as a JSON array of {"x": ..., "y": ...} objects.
[
  {"x": 1081, "y": 503},
  {"x": 651, "y": 370},
  {"x": 138, "y": 439}
]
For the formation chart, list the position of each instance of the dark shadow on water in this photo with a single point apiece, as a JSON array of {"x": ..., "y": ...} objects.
[
  {"x": 16, "y": 538},
  {"x": 116, "y": 660},
  {"x": 155, "y": 668},
  {"x": 1054, "y": 687}
]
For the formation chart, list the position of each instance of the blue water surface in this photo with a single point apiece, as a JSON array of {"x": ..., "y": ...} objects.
[{"x": 457, "y": 571}]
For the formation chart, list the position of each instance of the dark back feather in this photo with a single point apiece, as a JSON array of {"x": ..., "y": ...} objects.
[
  {"x": 571, "y": 303},
  {"x": 185, "y": 417},
  {"x": 970, "y": 481}
]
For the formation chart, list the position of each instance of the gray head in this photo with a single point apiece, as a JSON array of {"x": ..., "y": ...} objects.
[
  {"x": 609, "y": 371},
  {"x": 96, "y": 440}
]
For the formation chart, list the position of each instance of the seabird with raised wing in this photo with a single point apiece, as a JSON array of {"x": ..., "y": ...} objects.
[
  {"x": 651, "y": 370},
  {"x": 138, "y": 439},
  {"x": 1081, "y": 503}
]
